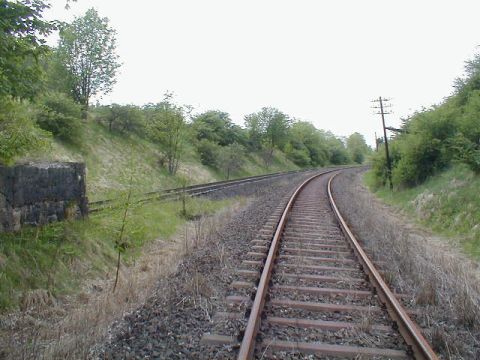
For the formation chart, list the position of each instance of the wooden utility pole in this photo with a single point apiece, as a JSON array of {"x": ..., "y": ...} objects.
[
  {"x": 387, "y": 154},
  {"x": 376, "y": 142}
]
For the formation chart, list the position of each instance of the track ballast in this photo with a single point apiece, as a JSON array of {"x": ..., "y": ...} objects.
[{"x": 308, "y": 289}]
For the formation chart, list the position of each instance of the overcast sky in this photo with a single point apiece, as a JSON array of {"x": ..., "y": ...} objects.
[{"x": 321, "y": 61}]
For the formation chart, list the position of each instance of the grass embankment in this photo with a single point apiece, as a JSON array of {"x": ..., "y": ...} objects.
[
  {"x": 56, "y": 259},
  {"x": 112, "y": 157},
  {"x": 448, "y": 204}
]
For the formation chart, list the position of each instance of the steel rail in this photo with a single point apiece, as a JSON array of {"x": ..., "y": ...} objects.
[
  {"x": 247, "y": 346},
  {"x": 194, "y": 190},
  {"x": 409, "y": 331}
]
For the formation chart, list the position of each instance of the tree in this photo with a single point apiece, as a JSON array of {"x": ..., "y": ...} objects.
[
  {"x": 270, "y": 126},
  {"x": 357, "y": 147},
  {"x": 307, "y": 145},
  {"x": 231, "y": 159},
  {"x": 122, "y": 118},
  {"x": 217, "y": 127},
  {"x": 337, "y": 151},
  {"x": 87, "y": 48},
  {"x": 209, "y": 152},
  {"x": 60, "y": 115},
  {"x": 57, "y": 77},
  {"x": 18, "y": 133},
  {"x": 167, "y": 126},
  {"x": 21, "y": 46}
]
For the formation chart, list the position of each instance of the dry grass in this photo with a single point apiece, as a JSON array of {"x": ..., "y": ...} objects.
[
  {"x": 50, "y": 331},
  {"x": 444, "y": 284}
]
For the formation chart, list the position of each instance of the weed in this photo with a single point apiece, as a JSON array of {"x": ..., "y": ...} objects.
[{"x": 446, "y": 283}]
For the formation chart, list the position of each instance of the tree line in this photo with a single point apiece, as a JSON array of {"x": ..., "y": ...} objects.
[
  {"x": 433, "y": 139},
  {"x": 46, "y": 92},
  {"x": 224, "y": 145}
]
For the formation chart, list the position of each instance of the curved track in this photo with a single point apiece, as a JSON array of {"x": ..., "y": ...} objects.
[
  {"x": 309, "y": 288},
  {"x": 192, "y": 190}
]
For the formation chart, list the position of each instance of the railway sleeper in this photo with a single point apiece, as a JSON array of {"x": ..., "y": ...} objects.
[{"x": 317, "y": 348}]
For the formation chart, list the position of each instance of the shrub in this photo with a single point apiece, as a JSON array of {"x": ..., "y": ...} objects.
[
  {"x": 230, "y": 159},
  {"x": 122, "y": 118},
  {"x": 379, "y": 163},
  {"x": 60, "y": 115},
  {"x": 208, "y": 152},
  {"x": 300, "y": 157},
  {"x": 18, "y": 133}
]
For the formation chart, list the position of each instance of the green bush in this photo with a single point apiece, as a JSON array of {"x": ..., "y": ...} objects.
[
  {"x": 208, "y": 152},
  {"x": 466, "y": 143},
  {"x": 60, "y": 115},
  {"x": 18, "y": 133},
  {"x": 122, "y": 118},
  {"x": 298, "y": 153},
  {"x": 379, "y": 164}
]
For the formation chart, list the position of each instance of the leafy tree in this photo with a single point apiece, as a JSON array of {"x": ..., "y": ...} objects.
[
  {"x": 208, "y": 152},
  {"x": 57, "y": 77},
  {"x": 87, "y": 48},
  {"x": 18, "y": 133},
  {"x": 298, "y": 153},
  {"x": 166, "y": 123},
  {"x": 357, "y": 147},
  {"x": 466, "y": 143},
  {"x": 307, "y": 145},
  {"x": 217, "y": 127},
  {"x": 61, "y": 116},
  {"x": 270, "y": 127},
  {"x": 21, "y": 45},
  {"x": 255, "y": 131},
  {"x": 231, "y": 159},
  {"x": 122, "y": 118},
  {"x": 337, "y": 151}
]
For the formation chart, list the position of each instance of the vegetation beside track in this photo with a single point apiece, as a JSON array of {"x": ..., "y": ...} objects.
[
  {"x": 55, "y": 259},
  {"x": 447, "y": 203}
]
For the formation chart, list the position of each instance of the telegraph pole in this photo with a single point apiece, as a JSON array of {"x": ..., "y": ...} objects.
[{"x": 387, "y": 154}]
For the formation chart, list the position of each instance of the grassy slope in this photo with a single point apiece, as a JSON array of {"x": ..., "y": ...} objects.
[
  {"x": 111, "y": 158},
  {"x": 448, "y": 204},
  {"x": 59, "y": 256}
]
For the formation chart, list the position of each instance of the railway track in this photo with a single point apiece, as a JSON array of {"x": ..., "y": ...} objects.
[
  {"x": 307, "y": 288},
  {"x": 192, "y": 190}
]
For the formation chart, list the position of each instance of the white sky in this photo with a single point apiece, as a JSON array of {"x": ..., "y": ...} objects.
[{"x": 321, "y": 61}]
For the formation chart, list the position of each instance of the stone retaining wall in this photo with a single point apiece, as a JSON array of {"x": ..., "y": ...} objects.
[{"x": 36, "y": 194}]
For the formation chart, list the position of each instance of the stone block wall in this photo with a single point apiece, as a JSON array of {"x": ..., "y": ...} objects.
[{"x": 36, "y": 194}]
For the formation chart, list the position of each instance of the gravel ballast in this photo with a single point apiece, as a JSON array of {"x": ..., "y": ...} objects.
[{"x": 172, "y": 322}]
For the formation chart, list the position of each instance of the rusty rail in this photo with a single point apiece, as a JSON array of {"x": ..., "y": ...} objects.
[
  {"x": 407, "y": 328},
  {"x": 247, "y": 346},
  {"x": 191, "y": 190},
  {"x": 410, "y": 332}
]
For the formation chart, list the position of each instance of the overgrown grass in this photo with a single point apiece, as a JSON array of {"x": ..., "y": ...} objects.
[
  {"x": 57, "y": 257},
  {"x": 448, "y": 204},
  {"x": 110, "y": 158}
]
